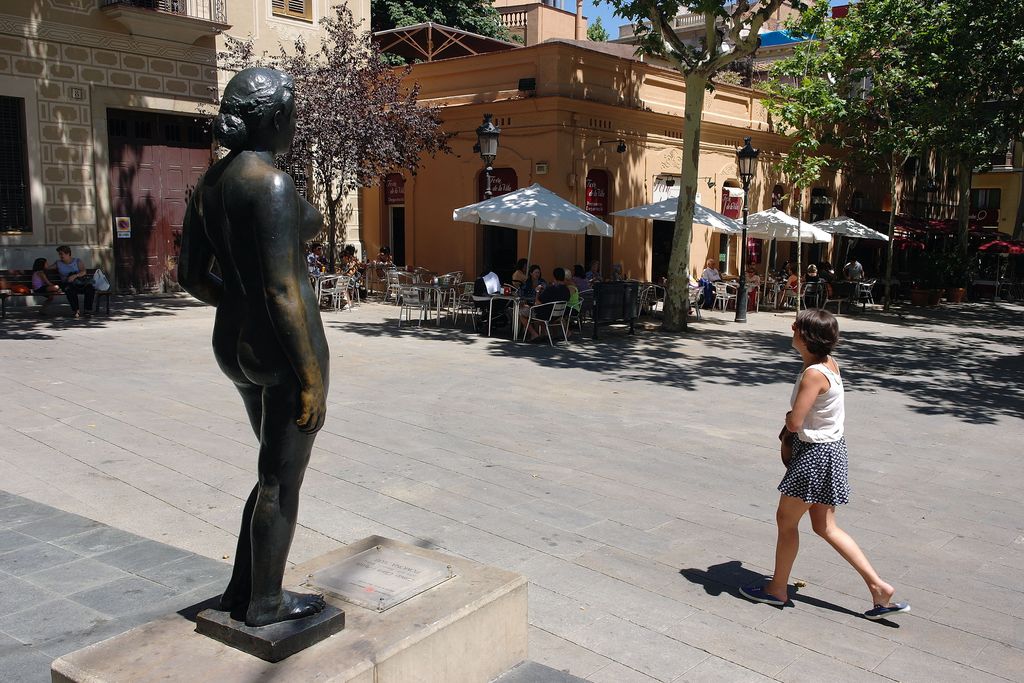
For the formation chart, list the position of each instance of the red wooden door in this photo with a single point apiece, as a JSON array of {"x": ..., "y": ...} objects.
[{"x": 155, "y": 161}]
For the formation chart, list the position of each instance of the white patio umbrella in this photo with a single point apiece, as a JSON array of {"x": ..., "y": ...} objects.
[
  {"x": 665, "y": 210},
  {"x": 533, "y": 208},
  {"x": 774, "y": 224},
  {"x": 847, "y": 227}
]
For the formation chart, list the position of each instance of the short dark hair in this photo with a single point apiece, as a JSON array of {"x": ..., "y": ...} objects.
[
  {"x": 521, "y": 263},
  {"x": 63, "y": 249},
  {"x": 558, "y": 273},
  {"x": 39, "y": 264},
  {"x": 578, "y": 270},
  {"x": 819, "y": 329}
]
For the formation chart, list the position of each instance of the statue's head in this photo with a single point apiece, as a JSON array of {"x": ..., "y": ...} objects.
[{"x": 257, "y": 110}]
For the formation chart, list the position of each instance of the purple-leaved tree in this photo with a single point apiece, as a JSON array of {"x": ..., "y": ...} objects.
[{"x": 357, "y": 117}]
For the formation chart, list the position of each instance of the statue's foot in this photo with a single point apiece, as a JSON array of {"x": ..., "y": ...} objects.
[
  {"x": 234, "y": 602},
  {"x": 288, "y": 606}
]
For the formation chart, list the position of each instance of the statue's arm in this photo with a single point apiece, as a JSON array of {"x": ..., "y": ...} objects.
[
  {"x": 276, "y": 213},
  {"x": 196, "y": 262}
]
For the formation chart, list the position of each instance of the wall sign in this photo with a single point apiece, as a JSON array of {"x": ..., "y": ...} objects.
[
  {"x": 503, "y": 181},
  {"x": 597, "y": 193},
  {"x": 394, "y": 188},
  {"x": 123, "y": 225},
  {"x": 732, "y": 201}
]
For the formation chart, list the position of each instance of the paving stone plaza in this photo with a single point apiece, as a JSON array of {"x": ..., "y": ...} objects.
[{"x": 630, "y": 479}]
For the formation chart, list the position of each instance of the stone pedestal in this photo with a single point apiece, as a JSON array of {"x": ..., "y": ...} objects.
[{"x": 467, "y": 629}]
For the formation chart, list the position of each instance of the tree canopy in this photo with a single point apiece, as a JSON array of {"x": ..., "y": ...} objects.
[
  {"x": 730, "y": 33},
  {"x": 902, "y": 78},
  {"x": 597, "y": 32},
  {"x": 355, "y": 118},
  {"x": 476, "y": 16}
]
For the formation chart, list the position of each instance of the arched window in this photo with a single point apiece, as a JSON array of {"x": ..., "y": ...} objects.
[{"x": 778, "y": 197}]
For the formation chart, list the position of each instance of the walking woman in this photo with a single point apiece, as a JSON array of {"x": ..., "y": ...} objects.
[
  {"x": 816, "y": 475},
  {"x": 247, "y": 219}
]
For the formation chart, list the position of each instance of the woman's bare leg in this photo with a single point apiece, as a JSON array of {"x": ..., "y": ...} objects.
[
  {"x": 787, "y": 517},
  {"x": 823, "y": 520}
]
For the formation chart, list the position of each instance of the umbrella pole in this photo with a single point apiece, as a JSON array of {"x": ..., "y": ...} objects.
[{"x": 529, "y": 251}]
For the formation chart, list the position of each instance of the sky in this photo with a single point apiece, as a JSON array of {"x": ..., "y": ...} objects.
[{"x": 612, "y": 23}]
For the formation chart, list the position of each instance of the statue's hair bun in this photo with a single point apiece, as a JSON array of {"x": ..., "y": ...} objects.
[{"x": 230, "y": 131}]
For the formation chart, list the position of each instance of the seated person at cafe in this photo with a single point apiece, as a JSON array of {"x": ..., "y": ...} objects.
[
  {"x": 484, "y": 287},
  {"x": 594, "y": 274},
  {"x": 520, "y": 277},
  {"x": 812, "y": 274},
  {"x": 709, "y": 277},
  {"x": 529, "y": 288},
  {"x": 753, "y": 286},
  {"x": 854, "y": 270},
  {"x": 558, "y": 290},
  {"x": 579, "y": 278},
  {"x": 617, "y": 274},
  {"x": 826, "y": 272},
  {"x": 384, "y": 256},
  {"x": 315, "y": 260},
  {"x": 792, "y": 285}
]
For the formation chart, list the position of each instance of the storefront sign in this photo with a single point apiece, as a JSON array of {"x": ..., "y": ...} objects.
[
  {"x": 503, "y": 181},
  {"x": 984, "y": 216},
  {"x": 394, "y": 189},
  {"x": 732, "y": 201},
  {"x": 123, "y": 225},
  {"x": 597, "y": 193}
]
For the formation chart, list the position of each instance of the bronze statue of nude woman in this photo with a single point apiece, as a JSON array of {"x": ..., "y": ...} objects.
[{"x": 242, "y": 251}]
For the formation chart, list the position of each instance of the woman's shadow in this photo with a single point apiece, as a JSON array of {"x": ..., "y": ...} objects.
[{"x": 727, "y": 577}]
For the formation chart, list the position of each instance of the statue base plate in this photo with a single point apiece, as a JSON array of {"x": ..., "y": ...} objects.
[
  {"x": 276, "y": 641},
  {"x": 470, "y": 628}
]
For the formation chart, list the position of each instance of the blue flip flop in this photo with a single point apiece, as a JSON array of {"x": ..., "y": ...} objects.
[
  {"x": 758, "y": 594},
  {"x": 882, "y": 611}
]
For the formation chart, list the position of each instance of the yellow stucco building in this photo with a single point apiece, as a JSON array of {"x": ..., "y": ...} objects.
[{"x": 563, "y": 106}]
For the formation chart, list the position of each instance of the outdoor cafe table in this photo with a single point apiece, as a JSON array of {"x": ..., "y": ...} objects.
[
  {"x": 514, "y": 299},
  {"x": 437, "y": 291}
]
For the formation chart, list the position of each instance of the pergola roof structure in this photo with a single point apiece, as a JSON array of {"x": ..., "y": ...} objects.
[{"x": 428, "y": 42}]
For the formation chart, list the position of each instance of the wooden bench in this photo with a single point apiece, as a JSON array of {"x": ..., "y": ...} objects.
[{"x": 18, "y": 283}]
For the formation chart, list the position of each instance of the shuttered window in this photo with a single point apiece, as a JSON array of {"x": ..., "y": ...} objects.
[
  {"x": 14, "y": 192},
  {"x": 296, "y": 9}
]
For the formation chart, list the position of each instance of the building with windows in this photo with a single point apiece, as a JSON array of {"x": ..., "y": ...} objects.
[{"x": 101, "y": 121}]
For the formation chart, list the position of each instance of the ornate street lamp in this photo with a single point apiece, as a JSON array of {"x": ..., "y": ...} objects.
[
  {"x": 487, "y": 145},
  {"x": 746, "y": 161}
]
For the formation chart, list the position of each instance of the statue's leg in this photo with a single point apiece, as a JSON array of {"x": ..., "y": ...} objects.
[
  {"x": 284, "y": 454},
  {"x": 236, "y": 596}
]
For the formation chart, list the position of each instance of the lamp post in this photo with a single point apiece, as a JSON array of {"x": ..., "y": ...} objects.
[
  {"x": 746, "y": 161},
  {"x": 487, "y": 145}
]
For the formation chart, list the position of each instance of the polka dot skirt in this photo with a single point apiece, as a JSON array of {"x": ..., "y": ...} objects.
[{"x": 818, "y": 473}]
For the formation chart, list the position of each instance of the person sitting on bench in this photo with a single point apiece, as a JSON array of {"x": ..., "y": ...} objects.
[
  {"x": 73, "y": 280},
  {"x": 41, "y": 284}
]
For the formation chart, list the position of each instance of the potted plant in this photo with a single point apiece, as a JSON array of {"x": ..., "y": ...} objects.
[{"x": 956, "y": 274}]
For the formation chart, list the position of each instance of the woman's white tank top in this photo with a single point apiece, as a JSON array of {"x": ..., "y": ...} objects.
[{"x": 825, "y": 420}]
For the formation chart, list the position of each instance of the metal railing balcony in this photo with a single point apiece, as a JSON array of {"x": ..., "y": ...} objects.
[{"x": 209, "y": 10}]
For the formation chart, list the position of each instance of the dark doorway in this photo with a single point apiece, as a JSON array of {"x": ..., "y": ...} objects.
[
  {"x": 398, "y": 235},
  {"x": 500, "y": 251},
  {"x": 499, "y": 245},
  {"x": 661, "y": 249},
  {"x": 155, "y": 162}
]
